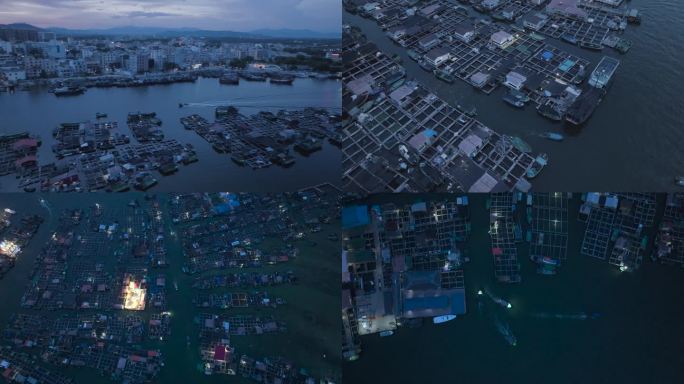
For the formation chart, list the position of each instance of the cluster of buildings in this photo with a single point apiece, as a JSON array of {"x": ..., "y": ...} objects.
[{"x": 33, "y": 54}]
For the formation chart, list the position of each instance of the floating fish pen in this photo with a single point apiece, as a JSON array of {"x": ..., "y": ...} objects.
[
  {"x": 635, "y": 213},
  {"x": 454, "y": 148},
  {"x": 117, "y": 170},
  {"x": 393, "y": 133},
  {"x": 626, "y": 253},
  {"x": 17, "y": 152},
  {"x": 547, "y": 215},
  {"x": 230, "y": 325},
  {"x": 243, "y": 280},
  {"x": 22, "y": 366},
  {"x": 272, "y": 370},
  {"x": 235, "y": 300},
  {"x": 593, "y": 29},
  {"x": 263, "y": 139},
  {"x": 600, "y": 224},
  {"x": 669, "y": 246},
  {"x": 86, "y": 137},
  {"x": 15, "y": 237},
  {"x": 554, "y": 63},
  {"x": 502, "y": 234},
  {"x": 76, "y": 340},
  {"x": 144, "y": 127}
]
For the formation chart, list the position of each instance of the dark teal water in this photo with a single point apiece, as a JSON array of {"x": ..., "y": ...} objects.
[
  {"x": 634, "y": 139},
  {"x": 39, "y": 112},
  {"x": 639, "y": 337}
]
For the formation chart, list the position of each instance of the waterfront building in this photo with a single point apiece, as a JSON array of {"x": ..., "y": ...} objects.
[
  {"x": 536, "y": 21},
  {"x": 438, "y": 56},
  {"x": 502, "y": 39},
  {"x": 464, "y": 32},
  {"x": 13, "y": 74}
]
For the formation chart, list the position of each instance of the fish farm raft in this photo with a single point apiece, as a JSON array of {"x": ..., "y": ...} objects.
[
  {"x": 402, "y": 137},
  {"x": 117, "y": 280},
  {"x": 406, "y": 259}
]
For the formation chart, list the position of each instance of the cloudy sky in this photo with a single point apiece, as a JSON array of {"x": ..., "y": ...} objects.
[{"x": 235, "y": 15}]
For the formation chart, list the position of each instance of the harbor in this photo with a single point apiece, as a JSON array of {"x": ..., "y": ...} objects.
[
  {"x": 613, "y": 117},
  {"x": 103, "y": 295},
  {"x": 62, "y": 155},
  {"x": 576, "y": 296}
]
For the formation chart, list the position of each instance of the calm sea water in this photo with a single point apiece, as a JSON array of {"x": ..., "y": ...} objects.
[
  {"x": 312, "y": 313},
  {"x": 39, "y": 112},
  {"x": 634, "y": 139},
  {"x": 637, "y": 339}
]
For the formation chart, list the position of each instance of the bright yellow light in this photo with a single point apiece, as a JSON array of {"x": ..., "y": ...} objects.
[
  {"x": 134, "y": 298},
  {"x": 9, "y": 248}
]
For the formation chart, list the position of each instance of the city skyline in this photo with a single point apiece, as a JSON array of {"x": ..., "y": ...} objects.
[{"x": 235, "y": 15}]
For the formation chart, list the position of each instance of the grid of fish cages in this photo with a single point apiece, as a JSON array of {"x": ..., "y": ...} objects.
[
  {"x": 502, "y": 234},
  {"x": 558, "y": 64},
  {"x": 598, "y": 232},
  {"x": 669, "y": 248},
  {"x": 548, "y": 218},
  {"x": 368, "y": 61}
]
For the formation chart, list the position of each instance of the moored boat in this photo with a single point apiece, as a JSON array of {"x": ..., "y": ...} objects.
[
  {"x": 538, "y": 164},
  {"x": 443, "y": 319},
  {"x": 68, "y": 91},
  {"x": 552, "y": 136}
]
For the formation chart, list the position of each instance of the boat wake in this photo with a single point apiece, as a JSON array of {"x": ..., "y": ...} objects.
[
  {"x": 498, "y": 300},
  {"x": 506, "y": 332},
  {"x": 44, "y": 204},
  {"x": 567, "y": 316}
]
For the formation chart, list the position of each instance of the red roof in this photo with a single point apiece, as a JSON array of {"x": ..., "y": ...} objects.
[
  {"x": 497, "y": 251},
  {"x": 24, "y": 160},
  {"x": 220, "y": 352},
  {"x": 25, "y": 143}
]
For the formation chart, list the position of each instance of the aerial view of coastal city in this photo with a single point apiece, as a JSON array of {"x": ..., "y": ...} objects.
[
  {"x": 119, "y": 98},
  {"x": 510, "y": 95},
  {"x": 341, "y": 191},
  {"x": 536, "y": 285},
  {"x": 139, "y": 288}
]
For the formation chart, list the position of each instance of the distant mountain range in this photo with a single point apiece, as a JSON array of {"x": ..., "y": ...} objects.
[{"x": 194, "y": 32}]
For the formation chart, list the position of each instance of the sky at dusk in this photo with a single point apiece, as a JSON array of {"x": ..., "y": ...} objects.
[{"x": 235, "y": 15}]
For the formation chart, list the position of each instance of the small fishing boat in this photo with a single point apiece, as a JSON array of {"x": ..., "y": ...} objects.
[
  {"x": 386, "y": 333},
  {"x": 679, "y": 180},
  {"x": 512, "y": 101},
  {"x": 100, "y": 115},
  {"x": 443, "y": 319},
  {"x": 538, "y": 164},
  {"x": 552, "y": 136}
]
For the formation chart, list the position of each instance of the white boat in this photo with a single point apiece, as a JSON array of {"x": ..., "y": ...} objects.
[{"x": 443, "y": 319}]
